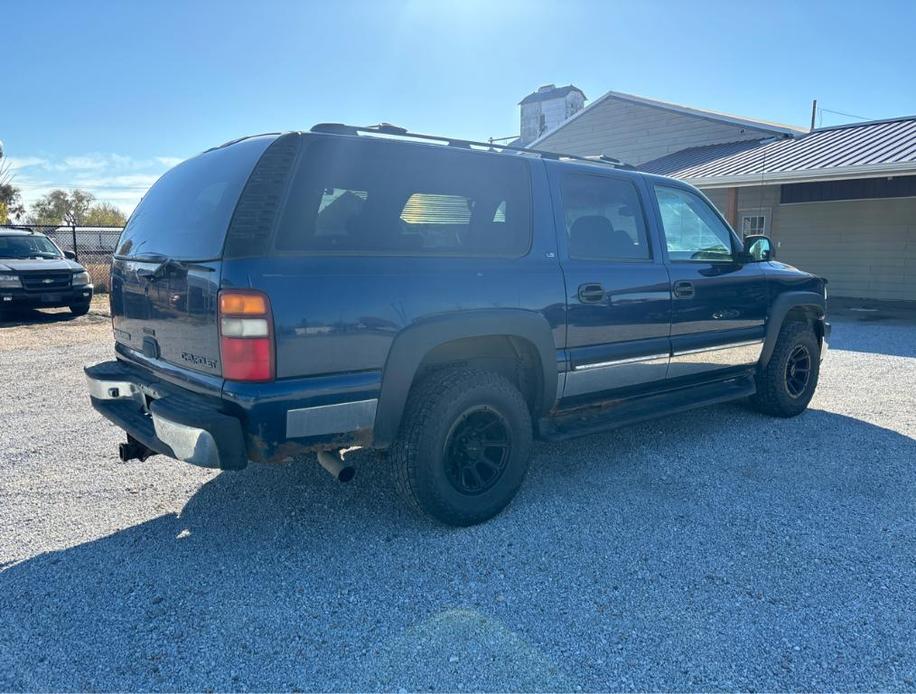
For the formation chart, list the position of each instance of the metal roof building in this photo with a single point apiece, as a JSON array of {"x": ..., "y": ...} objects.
[
  {"x": 838, "y": 201},
  {"x": 872, "y": 149}
]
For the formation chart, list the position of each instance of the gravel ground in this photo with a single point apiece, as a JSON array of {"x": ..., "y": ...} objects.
[{"x": 713, "y": 550}]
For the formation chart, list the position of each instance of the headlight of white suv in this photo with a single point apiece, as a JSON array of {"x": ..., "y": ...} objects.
[
  {"x": 10, "y": 281},
  {"x": 80, "y": 279}
]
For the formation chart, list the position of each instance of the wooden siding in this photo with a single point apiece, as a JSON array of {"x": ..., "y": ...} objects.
[
  {"x": 865, "y": 248},
  {"x": 719, "y": 198},
  {"x": 750, "y": 199},
  {"x": 636, "y": 133}
]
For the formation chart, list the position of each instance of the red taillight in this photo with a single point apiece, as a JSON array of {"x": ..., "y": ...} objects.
[
  {"x": 246, "y": 336},
  {"x": 247, "y": 358}
]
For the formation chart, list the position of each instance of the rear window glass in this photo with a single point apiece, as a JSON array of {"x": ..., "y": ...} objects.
[
  {"x": 186, "y": 213},
  {"x": 371, "y": 197}
]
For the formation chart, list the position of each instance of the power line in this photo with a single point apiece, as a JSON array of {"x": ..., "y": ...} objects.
[{"x": 841, "y": 113}]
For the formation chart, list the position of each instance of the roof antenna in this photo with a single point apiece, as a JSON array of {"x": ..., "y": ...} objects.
[{"x": 813, "y": 113}]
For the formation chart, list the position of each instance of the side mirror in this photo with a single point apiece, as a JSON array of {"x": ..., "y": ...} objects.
[
  {"x": 757, "y": 249},
  {"x": 70, "y": 255}
]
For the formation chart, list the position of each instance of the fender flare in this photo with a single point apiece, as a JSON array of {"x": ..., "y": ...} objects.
[
  {"x": 412, "y": 344},
  {"x": 780, "y": 308}
]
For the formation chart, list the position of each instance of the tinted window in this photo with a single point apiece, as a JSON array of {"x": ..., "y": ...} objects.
[
  {"x": 693, "y": 231},
  {"x": 604, "y": 219},
  {"x": 377, "y": 197},
  {"x": 186, "y": 213}
]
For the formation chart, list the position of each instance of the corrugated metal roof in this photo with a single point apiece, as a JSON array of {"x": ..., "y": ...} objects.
[
  {"x": 695, "y": 156},
  {"x": 872, "y": 148}
]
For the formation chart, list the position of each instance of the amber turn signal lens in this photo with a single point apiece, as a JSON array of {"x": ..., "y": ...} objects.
[{"x": 239, "y": 304}]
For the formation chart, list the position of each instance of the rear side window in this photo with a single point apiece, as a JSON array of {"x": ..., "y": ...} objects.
[
  {"x": 381, "y": 198},
  {"x": 604, "y": 219},
  {"x": 186, "y": 213}
]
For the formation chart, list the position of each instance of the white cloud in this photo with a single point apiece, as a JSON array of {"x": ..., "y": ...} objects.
[
  {"x": 114, "y": 178},
  {"x": 17, "y": 163},
  {"x": 90, "y": 162},
  {"x": 135, "y": 181},
  {"x": 169, "y": 161}
]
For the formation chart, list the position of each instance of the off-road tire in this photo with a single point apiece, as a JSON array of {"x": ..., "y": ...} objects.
[
  {"x": 79, "y": 309},
  {"x": 774, "y": 396},
  {"x": 436, "y": 406}
]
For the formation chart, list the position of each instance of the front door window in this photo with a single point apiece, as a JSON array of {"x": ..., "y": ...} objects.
[{"x": 693, "y": 231}]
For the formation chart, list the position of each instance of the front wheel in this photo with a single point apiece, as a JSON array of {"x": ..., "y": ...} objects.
[
  {"x": 787, "y": 384},
  {"x": 79, "y": 309},
  {"x": 464, "y": 445}
]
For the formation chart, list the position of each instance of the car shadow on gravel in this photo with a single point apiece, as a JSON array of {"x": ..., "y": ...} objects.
[{"x": 715, "y": 550}]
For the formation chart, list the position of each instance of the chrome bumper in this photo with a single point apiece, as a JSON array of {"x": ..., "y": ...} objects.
[
  {"x": 190, "y": 444},
  {"x": 172, "y": 424}
]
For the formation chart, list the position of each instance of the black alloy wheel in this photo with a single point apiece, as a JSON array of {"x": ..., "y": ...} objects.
[
  {"x": 798, "y": 371},
  {"x": 477, "y": 450}
]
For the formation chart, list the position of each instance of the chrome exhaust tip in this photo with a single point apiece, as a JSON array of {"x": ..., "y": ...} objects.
[{"x": 335, "y": 465}]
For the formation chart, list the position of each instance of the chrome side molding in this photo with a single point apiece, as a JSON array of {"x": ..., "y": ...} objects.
[
  {"x": 693, "y": 361},
  {"x": 618, "y": 373},
  {"x": 607, "y": 375}
]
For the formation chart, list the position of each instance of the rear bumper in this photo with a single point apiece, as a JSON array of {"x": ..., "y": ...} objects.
[
  {"x": 68, "y": 296},
  {"x": 167, "y": 419},
  {"x": 225, "y": 424}
]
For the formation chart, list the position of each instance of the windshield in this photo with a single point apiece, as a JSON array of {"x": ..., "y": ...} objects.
[
  {"x": 186, "y": 214},
  {"x": 27, "y": 247}
]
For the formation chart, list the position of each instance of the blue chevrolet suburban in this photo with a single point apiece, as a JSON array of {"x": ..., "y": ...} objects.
[{"x": 443, "y": 300}]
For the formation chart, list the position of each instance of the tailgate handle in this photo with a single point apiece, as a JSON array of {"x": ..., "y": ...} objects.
[{"x": 151, "y": 347}]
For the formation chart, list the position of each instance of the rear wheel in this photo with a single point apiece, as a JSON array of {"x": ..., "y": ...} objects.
[
  {"x": 79, "y": 309},
  {"x": 787, "y": 384},
  {"x": 464, "y": 445}
]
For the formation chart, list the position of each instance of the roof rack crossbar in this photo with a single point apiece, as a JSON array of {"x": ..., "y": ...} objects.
[{"x": 396, "y": 131}]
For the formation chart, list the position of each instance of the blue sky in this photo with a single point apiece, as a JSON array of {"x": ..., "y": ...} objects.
[{"x": 108, "y": 95}]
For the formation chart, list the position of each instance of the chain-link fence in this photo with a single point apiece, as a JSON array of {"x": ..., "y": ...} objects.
[{"x": 93, "y": 247}]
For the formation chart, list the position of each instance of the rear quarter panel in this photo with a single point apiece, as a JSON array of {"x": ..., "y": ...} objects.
[{"x": 341, "y": 313}]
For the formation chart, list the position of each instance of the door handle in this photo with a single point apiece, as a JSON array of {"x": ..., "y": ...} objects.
[
  {"x": 591, "y": 293},
  {"x": 684, "y": 289}
]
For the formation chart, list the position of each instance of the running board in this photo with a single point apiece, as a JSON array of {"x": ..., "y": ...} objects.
[{"x": 611, "y": 414}]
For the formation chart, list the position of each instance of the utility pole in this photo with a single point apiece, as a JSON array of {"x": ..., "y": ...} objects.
[{"x": 813, "y": 112}]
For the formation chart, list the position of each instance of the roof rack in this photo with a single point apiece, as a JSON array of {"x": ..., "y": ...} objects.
[
  {"x": 18, "y": 227},
  {"x": 397, "y": 131}
]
